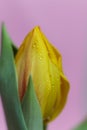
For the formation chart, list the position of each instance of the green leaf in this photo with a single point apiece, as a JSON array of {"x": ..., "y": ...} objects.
[
  {"x": 8, "y": 86},
  {"x": 82, "y": 126},
  {"x": 14, "y": 48},
  {"x": 31, "y": 109}
]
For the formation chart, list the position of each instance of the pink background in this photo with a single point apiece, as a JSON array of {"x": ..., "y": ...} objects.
[{"x": 64, "y": 22}]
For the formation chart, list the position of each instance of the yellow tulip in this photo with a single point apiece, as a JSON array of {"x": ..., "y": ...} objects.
[{"x": 38, "y": 58}]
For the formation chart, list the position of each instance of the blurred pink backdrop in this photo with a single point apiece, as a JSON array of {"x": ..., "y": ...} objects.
[{"x": 64, "y": 22}]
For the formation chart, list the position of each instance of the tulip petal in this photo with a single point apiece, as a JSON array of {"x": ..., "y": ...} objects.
[
  {"x": 23, "y": 65},
  {"x": 55, "y": 91},
  {"x": 64, "y": 94},
  {"x": 56, "y": 59},
  {"x": 39, "y": 61},
  {"x": 54, "y": 54}
]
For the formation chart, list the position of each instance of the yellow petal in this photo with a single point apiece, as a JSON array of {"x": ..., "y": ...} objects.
[
  {"x": 55, "y": 91},
  {"x": 23, "y": 64},
  {"x": 53, "y": 53},
  {"x": 58, "y": 107},
  {"x": 40, "y": 69}
]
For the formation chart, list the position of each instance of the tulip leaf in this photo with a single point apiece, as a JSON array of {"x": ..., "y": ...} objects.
[
  {"x": 31, "y": 109},
  {"x": 8, "y": 86},
  {"x": 82, "y": 126}
]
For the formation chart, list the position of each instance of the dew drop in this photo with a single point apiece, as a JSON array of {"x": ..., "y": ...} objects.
[
  {"x": 57, "y": 78},
  {"x": 40, "y": 58},
  {"x": 48, "y": 88},
  {"x": 48, "y": 80},
  {"x": 34, "y": 45},
  {"x": 53, "y": 85}
]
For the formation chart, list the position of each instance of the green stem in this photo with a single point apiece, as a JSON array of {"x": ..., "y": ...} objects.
[{"x": 45, "y": 127}]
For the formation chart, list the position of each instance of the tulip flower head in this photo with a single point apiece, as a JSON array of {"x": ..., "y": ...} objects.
[{"x": 40, "y": 59}]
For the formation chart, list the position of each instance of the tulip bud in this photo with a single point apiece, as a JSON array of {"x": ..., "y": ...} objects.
[{"x": 38, "y": 58}]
